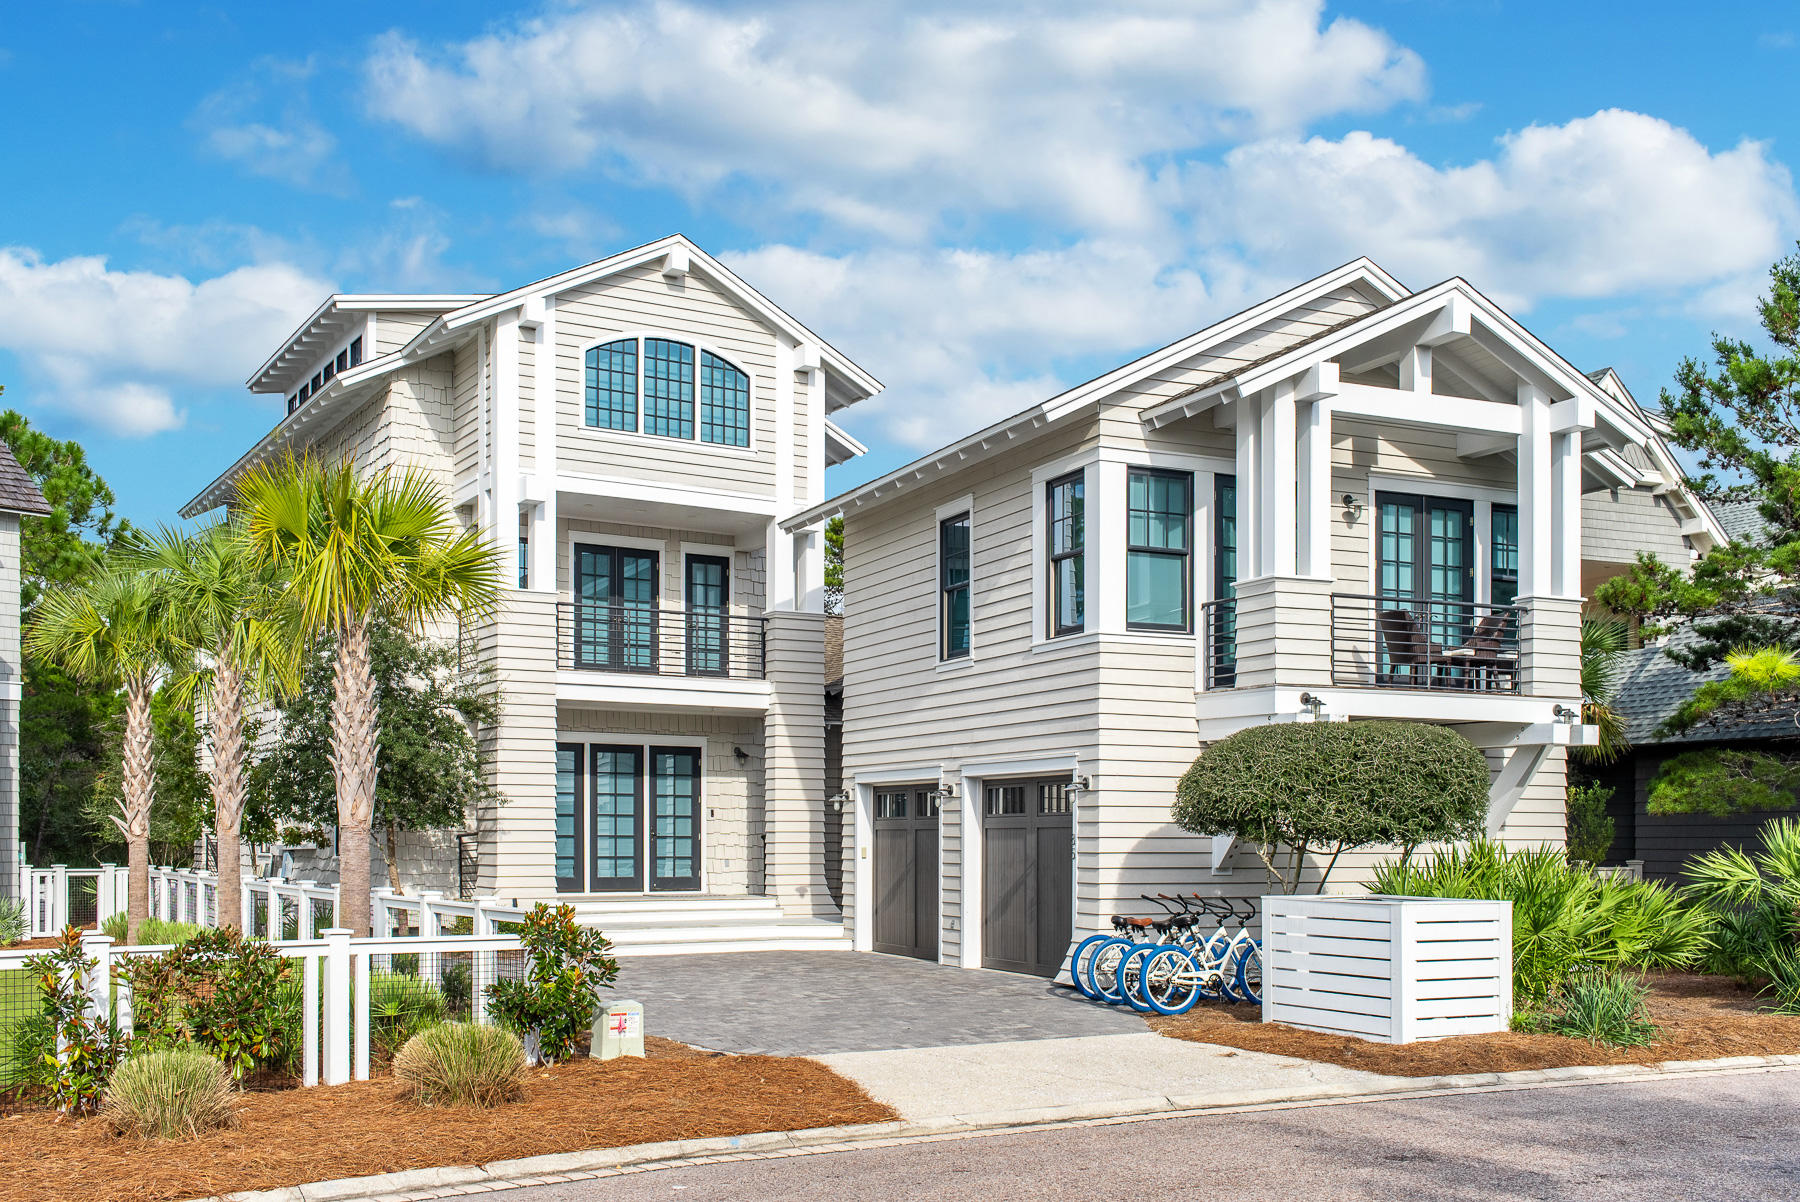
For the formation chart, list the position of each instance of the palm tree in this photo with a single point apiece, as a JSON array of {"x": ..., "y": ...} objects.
[
  {"x": 354, "y": 552},
  {"x": 116, "y": 631},
  {"x": 224, "y": 607},
  {"x": 1604, "y": 642}
]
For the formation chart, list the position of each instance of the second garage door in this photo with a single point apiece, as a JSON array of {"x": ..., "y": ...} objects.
[
  {"x": 906, "y": 872},
  {"x": 1028, "y": 859}
]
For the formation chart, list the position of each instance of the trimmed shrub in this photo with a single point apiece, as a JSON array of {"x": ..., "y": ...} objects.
[
  {"x": 553, "y": 1005},
  {"x": 151, "y": 932},
  {"x": 1330, "y": 787},
  {"x": 218, "y": 990},
  {"x": 1603, "y": 1007},
  {"x": 169, "y": 1094},
  {"x": 1565, "y": 917},
  {"x": 400, "y": 1006},
  {"x": 1590, "y": 828},
  {"x": 462, "y": 1064},
  {"x": 1757, "y": 898}
]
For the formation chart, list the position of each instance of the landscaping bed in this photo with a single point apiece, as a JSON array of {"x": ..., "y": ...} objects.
[
  {"x": 1698, "y": 1018},
  {"x": 289, "y": 1136}
]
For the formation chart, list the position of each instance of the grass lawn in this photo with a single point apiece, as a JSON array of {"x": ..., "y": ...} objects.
[{"x": 18, "y": 1001}]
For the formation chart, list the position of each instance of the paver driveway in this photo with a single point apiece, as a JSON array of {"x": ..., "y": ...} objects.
[{"x": 815, "y": 1003}]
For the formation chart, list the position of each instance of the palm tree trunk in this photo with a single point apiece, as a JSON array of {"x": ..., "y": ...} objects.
[
  {"x": 355, "y": 723},
  {"x": 228, "y": 786},
  {"x": 137, "y": 793}
]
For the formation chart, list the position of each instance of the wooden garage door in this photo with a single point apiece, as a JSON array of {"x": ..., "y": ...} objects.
[
  {"x": 1028, "y": 859},
  {"x": 906, "y": 872}
]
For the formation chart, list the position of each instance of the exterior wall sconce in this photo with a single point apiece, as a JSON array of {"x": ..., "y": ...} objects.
[
  {"x": 1313, "y": 704},
  {"x": 1563, "y": 713},
  {"x": 1078, "y": 786},
  {"x": 743, "y": 757},
  {"x": 839, "y": 800},
  {"x": 1353, "y": 508},
  {"x": 946, "y": 790}
]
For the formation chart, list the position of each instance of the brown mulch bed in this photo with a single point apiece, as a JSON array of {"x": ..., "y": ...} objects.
[
  {"x": 291, "y": 1136},
  {"x": 1700, "y": 1018}
]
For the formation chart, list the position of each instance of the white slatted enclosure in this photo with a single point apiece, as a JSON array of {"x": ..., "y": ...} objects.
[{"x": 1388, "y": 969}]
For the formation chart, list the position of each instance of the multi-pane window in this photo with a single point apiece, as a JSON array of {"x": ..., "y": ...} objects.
[
  {"x": 1001, "y": 800},
  {"x": 1505, "y": 557},
  {"x": 524, "y": 562},
  {"x": 891, "y": 804},
  {"x": 953, "y": 586},
  {"x": 612, "y": 385},
  {"x": 347, "y": 358},
  {"x": 724, "y": 402},
  {"x": 668, "y": 388},
  {"x": 1159, "y": 544},
  {"x": 1068, "y": 558}
]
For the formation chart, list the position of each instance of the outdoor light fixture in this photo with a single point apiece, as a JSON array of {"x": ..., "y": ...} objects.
[
  {"x": 742, "y": 755},
  {"x": 1314, "y": 704},
  {"x": 1078, "y": 786},
  {"x": 1353, "y": 508},
  {"x": 1563, "y": 713},
  {"x": 838, "y": 800},
  {"x": 946, "y": 790}
]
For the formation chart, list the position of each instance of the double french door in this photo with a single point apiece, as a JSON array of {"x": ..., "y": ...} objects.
[
  {"x": 628, "y": 818},
  {"x": 615, "y": 609}
]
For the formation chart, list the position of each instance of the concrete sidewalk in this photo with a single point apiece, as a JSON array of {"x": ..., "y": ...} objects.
[{"x": 1047, "y": 1078}]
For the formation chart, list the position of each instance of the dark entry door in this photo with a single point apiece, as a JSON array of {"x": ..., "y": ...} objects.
[
  {"x": 615, "y": 609},
  {"x": 1028, "y": 860},
  {"x": 906, "y": 872},
  {"x": 674, "y": 818},
  {"x": 708, "y": 603},
  {"x": 617, "y": 774}
]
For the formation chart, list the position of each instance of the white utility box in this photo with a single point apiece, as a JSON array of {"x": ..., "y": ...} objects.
[
  {"x": 618, "y": 1031},
  {"x": 1389, "y": 969}
]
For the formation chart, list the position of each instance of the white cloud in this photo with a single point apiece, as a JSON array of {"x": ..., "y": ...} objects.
[
  {"x": 889, "y": 116},
  {"x": 264, "y": 123},
  {"x": 114, "y": 347},
  {"x": 1605, "y": 205}
]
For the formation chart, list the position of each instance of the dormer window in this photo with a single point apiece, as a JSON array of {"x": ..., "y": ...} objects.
[{"x": 665, "y": 375}]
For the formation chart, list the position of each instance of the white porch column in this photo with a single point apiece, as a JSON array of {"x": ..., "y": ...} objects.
[
  {"x": 541, "y": 572},
  {"x": 1313, "y": 455},
  {"x": 1249, "y": 473},
  {"x": 1536, "y": 516},
  {"x": 505, "y": 486},
  {"x": 1276, "y": 485},
  {"x": 1565, "y": 514}
]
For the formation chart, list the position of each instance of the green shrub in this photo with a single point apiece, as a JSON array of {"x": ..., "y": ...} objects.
[
  {"x": 1602, "y": 1007},
  {"x": 168, "y": 1094},
  {"x": 1328, "y": 787},
  {"x": 1757, "y": 899},
  {"x": 1565, "y": 916},
  {"x": 1590, "y": 826},
  {"x": 151, "y": 932},
  {"x": 553, "y": 1005},
  {"x": 90, "y": 1044},
  {"x": 218, "y": 990},
  {"x": 400, "y": 1006},
  {"x": 13, "y": 923},
  {"x": 462, "y": 1064},
  {"x": 458, "y": 976}
]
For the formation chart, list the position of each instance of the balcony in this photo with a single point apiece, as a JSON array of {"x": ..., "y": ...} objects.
[
  {"x": 1438, "y": 646},
  {"x": 646, "y": 638},
  {"x": 1218, "y": 624}
]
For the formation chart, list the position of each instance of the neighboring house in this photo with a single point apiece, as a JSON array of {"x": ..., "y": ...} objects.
[
  {"x": 1350, "y": 501},
  {"x": 632, "y": 434},
  {"x": 19, "y": 497}
]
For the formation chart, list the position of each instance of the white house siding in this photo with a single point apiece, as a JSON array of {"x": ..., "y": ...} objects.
[
  {"x": 731, "y": 791},
  {"x": 518, "y": 844},
  {"x": 794, "y": 764},
  {"x": 641, "y": 301},
  {"x": 1617, "y": 524},
  {"x": 11, "y": 684},
  {"x": 529, "y": 350},
  {"x": 407, "y": 423},
  {"x": 395, "y": 330}
]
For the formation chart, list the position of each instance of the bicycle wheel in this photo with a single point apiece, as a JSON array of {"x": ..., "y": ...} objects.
[
  {"x": 1171, "y": 981},
  {"x": 1079, "y": 962},
  {"x": 1249, "y": 972},
  {"x": 1130, "y": 977},
  {"x": 1103, "y": 967}
]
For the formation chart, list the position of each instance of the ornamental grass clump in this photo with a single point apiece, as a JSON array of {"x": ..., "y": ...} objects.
[
  {"x": 1603, "y": 1007},
  {"x": 170, "y": 1094},
  {"x": 462, "y": 1064}
]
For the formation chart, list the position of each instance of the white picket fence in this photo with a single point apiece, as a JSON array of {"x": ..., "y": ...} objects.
[
  {"x": 56, "y": 896},
  {"x": 335, "y": 972}
]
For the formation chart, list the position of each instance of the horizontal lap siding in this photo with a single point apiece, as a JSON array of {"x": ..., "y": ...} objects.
[
  {"x": 395, "y": 330},
  {"x": 640, "y": 301},
  {"x": 746, "y": 562},
  {"x": 528, "y": 360}
]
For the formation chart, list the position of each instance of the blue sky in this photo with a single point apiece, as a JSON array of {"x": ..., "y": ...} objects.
[{"x": 980, "y": 205}]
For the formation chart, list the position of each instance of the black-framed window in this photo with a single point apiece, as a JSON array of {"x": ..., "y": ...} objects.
[
  {"x": 611, "y": 385},
  {"x": 668, "y": 388},
  {"x": 1067, "y": 520},
  {"x": 1159, "y": 550},
  {"x": 953, "y": 587},
  {"x": 675, "y": 800},
  {"x": 708, "y": 589},
  {"x": 524, "y": 562},
  {"x": 615, "y": 608},
  {"x": 570, "y": 796},
  {"x": 356, "y": 352},
  {"x": 1503, "y": 559},
  {"x": 724, "y": 402}
]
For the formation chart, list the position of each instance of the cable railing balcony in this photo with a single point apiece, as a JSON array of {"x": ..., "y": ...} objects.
[
  {"x": 1410, "y": 643},
  {"x": 648, "y": 638}
]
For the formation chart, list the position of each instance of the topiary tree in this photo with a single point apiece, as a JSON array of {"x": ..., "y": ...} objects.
[{"x": 1292, "y": 789}]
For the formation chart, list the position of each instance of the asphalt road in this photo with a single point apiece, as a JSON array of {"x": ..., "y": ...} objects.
[{"x": 1724, "y": 1137}]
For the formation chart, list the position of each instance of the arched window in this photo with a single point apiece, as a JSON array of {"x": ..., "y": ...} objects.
[
  {"x": 668, "y": 388},
  {"x": 612, "y": 386},
  {"x": 724, "y": 402}
]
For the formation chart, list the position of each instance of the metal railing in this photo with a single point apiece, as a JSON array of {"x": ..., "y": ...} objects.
[
  {"x": 1407, "y": 643},
  {"x": 648, "y": 638},
  {"x": 1218, "y": 624}
]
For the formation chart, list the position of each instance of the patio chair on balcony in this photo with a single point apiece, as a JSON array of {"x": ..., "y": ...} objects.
[
  {"x": 1491, "y": 654},
  {"x": 1405, "y": 650}
]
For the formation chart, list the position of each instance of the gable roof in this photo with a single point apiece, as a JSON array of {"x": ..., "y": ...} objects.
[
  {"x": 1652, "y": 687},
  {"x": 19, "y": 493},
  {"x": 1033, "y": 420}
]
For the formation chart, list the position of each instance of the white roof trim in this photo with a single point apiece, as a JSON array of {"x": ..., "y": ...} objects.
[
  {"x": 360, "y": 302},
  {"x": 846, "y": 447}
]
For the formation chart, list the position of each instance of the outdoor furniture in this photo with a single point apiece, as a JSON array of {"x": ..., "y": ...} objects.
[
  {"x": 1491, "y": 649},
  {"x": 1402, "y": 642}
]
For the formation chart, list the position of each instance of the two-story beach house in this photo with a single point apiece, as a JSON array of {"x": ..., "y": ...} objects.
[
  {"x": 1351, "y": 501},
  {"x": 636, "y": 433}
]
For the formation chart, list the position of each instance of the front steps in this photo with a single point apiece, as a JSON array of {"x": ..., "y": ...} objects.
[{"x": 688, "y": 925}]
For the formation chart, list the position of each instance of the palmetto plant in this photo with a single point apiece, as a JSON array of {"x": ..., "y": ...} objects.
[
  {"x": 1758, "y": 897},
  {"x": 1604, "y": 642},
  {"x": 224, "y": 605},
  {"x": 354, "y": 551},
  {"x": 117, "y": 631}
]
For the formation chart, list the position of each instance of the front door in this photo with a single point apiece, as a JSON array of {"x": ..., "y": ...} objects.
[
  {"x": 617, "y": 774},
  {"x": 1028, "y": 860},
  {"x": 674, "y": 818},
  {"x": 615, "y": 609},
  {"x": 906, "y": 872}
]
